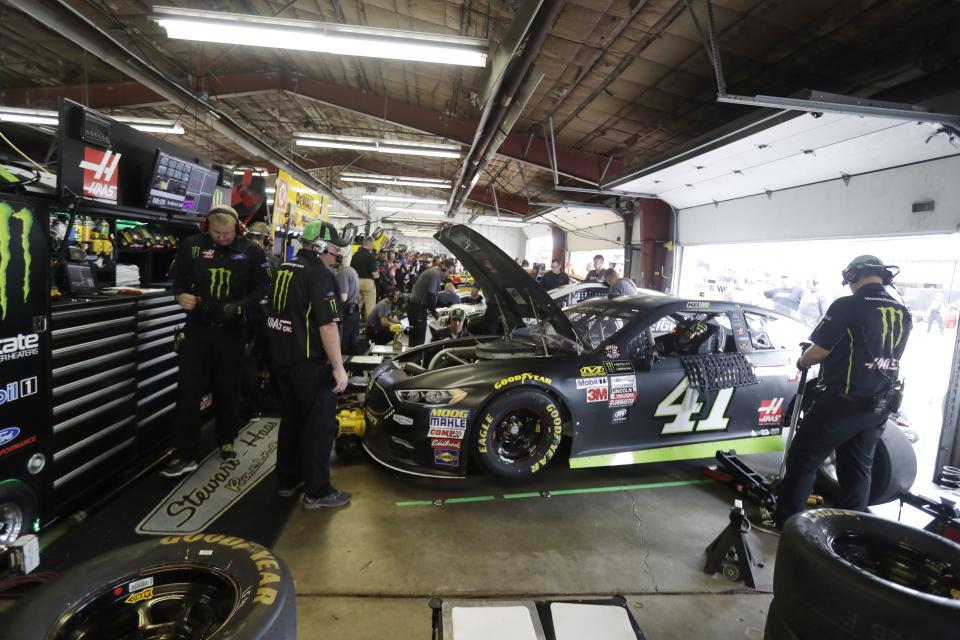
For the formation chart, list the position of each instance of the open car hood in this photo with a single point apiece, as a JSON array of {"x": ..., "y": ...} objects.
[{"x": 497, "y": 274}]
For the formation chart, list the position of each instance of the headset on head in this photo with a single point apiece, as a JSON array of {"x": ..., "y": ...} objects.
[
  {"x": 886, "y": 272},
  {"x": 205, "y": 222}
]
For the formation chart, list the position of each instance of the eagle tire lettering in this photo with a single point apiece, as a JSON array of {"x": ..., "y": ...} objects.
[{"x": 519, "y": 434}]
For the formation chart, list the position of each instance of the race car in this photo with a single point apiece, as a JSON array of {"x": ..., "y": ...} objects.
[{"x": 596, "y": 372}]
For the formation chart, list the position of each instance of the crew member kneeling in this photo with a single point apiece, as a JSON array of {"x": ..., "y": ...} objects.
[
  {"x": 305, "y": 346},
  {"x": 381, "y": 325},
  {"x": 217, "y": 278}
]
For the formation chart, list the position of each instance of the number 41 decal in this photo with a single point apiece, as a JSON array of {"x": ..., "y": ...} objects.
[{"x": 683, "y": 402}]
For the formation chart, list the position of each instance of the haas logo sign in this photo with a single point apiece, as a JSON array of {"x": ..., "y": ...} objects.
[{"x": 100, "y": 175}]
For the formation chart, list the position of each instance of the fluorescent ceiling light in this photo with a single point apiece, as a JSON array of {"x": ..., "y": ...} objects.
[
  {"x": 44, "y": 116},
  {"x": 397, "y": 181},
  {"x": 321, "y": 37},
  {"x": 256, "y": 172},
  {"x": 339, "y": 215},
  {"x": 395, "y": 209},
  {"x": 404, "y": 199},
  {"x": 270, "y": 190},
  {"x": 400, "y": 147}
]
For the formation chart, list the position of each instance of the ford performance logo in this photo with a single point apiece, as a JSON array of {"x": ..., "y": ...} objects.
[{"x": 9, "y": 435}]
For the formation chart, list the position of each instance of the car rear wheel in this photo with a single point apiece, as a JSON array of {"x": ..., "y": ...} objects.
[
  {"x": 518, "y": 434},
  {"x": 18, "y": 510}
]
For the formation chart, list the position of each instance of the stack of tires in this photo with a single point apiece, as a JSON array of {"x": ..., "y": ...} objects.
[
  {"x": 196, "y": 587},
  {"x": 844, "y": 574}
]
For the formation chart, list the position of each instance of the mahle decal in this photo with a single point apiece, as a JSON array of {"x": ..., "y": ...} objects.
[
  {"x": 220, "y": 282},
  {"x": 7, "y": 215}
]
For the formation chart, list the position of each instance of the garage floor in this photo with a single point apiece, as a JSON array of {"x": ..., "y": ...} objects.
[{"x": 367, "y": 571}]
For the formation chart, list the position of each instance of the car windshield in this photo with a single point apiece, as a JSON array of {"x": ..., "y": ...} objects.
[{"x": 593, "y": 324}]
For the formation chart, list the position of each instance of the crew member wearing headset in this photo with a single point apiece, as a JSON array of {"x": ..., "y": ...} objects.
[
  {"x": 858, "y": 344},
  {"x": 218, "y": 277},
  {"x": 304, "y": 337}
]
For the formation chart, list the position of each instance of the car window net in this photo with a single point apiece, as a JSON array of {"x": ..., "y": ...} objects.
[{"x": 711, "y": 372}]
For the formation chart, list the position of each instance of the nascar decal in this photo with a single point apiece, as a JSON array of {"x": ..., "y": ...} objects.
[
  {"x": 770, "y": 412},
  {"x": 683, "y": 403},
  {"x": 586, "y": 383},
  {"x": 7, "y": 258},
  {"x": 522, "y": 378},
  {"x": 618, "y": 366},
  {"x": 100, "y": 177},
  {"x": 447, "y": 457},
  {"x": 203, "y": 496},
  {"x": 593, "y": 370},
  {"x": 597, "y": 394}
]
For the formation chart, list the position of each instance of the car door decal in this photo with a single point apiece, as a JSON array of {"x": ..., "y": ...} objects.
[{"x": 683, "y": 403}]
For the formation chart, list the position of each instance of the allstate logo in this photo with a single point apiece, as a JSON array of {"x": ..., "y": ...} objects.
[{"x": 9, "y": 435}]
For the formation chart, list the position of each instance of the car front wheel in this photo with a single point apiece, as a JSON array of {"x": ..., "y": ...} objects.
[{"x": 518, "y": 434}]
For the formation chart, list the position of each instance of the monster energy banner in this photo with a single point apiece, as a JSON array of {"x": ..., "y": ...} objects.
[
  {"x": 220, "y": 283},
  {"x": 217, "y": 485},
  {"x": 14, "y": 224}
]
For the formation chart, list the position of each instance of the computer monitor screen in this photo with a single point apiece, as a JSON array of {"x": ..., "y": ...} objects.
[
  {"x": 177, "y": 185},
  {"x": 81, "y": 278}
]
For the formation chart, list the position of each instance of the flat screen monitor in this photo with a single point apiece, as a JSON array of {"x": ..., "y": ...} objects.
[
  {"x": 181, "y": 186},
  {"x": 81, "y": 278}
]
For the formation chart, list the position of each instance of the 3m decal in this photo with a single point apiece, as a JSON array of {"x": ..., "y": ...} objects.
[
  {"x": 770, "y": 411},
  {"x": 586, "y": 383},
  {"x": 447, "y": 457},
  {"x": 281, "y": 288},
  {"x": 100, "y": 177},
  {"x": 18, "y": 389},
  {"x": 618, "y": 366},
  {"x": 9, "y": 435},
  {"x": 133, "y": 598},
  {"x": 683, "y": 403},
  {"x": 20, "y": 346},
  {"x": 522, "y": 378},
  {"x": 597, "y": 394},
  {"x": 7, "y": 216},
  {"x": 595, "y": 370},
  {"x": 443, "y": 432},
  {"x": 220, "y": 283}
]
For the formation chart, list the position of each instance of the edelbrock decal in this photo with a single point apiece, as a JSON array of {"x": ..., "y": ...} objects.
[{"x": 208, "y": 492}]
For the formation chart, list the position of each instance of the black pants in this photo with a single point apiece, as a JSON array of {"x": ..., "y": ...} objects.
[
  {"x": 379, "y": 335},
  {"x": 256, "y": 360},
  {"x": 417, "y": 317},
  {"x": 349, "y": 325},
  {"x": 838, "y": 424},
  {"x": 211, "y": 358},
  {"x": 308, "y": 426}
]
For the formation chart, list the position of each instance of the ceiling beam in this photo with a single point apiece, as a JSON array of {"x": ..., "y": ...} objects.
[{"x": 532, "y": 150}]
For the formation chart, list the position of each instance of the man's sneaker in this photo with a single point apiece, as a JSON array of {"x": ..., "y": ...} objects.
[
  {"x": 335, "y": 499},
  {"x": 227, "y": 452},
  {"x": 288, "y": 490},
  {"x": 178, "y": 467}
]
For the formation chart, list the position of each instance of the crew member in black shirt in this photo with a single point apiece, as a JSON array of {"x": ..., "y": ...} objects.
[
  {"x": 305, "y": 345},
  {"x": 218, "y": 277},
  {"x": 365, "y": 264},
  {"x": 858, "y": 343},
  {"x": 598, "y": 271},
  {"x": 423, "y": 299},
  {"x": 554, "y": 278}
]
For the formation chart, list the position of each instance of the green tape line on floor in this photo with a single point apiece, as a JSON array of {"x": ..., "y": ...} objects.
[{"x": 559, "y": 492}]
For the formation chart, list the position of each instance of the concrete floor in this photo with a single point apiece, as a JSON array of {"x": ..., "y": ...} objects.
[{"x": 368, "y": 570}]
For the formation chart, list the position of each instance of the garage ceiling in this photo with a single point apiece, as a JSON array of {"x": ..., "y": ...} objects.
[{"x": 625, "y": 81}]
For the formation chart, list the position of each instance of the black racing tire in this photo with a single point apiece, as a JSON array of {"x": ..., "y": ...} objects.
[
  {"x": 776, "y": 628},
  {"x": 198, "y": 586},
  {"x": 844, "y": 574},
  {"x": 518, "y": 434},
  {"x": 894, "y": 470},
  {"x": 18, "y": 510}
]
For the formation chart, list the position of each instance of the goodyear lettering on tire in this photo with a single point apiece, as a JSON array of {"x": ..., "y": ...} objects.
[
  {"x": 557, "y": 429},
  {"x": 262, "y": 558}
]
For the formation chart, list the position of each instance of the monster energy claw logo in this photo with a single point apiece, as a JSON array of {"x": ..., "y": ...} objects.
[
  {"x": 25, "y": 216},
  {"x": 892, "y": 319},
  {"x": 281, "y": 289},
  {"x": 196, "y": 251},
  {"x": 220, "y": 283}
]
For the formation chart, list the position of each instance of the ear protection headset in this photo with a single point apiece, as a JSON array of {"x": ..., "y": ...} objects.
[
  {"x": 854, "y": 272},
  {"x": 220, "y": 208}
]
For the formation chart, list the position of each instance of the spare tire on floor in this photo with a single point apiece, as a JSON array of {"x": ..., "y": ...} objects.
[
  {"x": 844, "y": 574},
  {"x": 201, "y": 586},
  {"x": 894, "y": 469}
]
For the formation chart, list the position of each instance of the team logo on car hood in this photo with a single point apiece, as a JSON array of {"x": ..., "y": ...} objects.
[{"x": 212, "y": 489}]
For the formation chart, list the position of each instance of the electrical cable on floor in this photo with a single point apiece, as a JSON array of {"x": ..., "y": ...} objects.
[{"x": 25, "y": 156}]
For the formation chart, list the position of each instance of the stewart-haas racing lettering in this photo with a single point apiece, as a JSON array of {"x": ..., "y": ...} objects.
[{"x": 522, "y": 378}]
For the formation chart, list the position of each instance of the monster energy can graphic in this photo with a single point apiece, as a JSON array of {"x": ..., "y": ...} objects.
[
  {"x": 7, "y": 216},
  {"x": 220, "y": 283},
  {"x": 281, "y": 289},
  {"x": 892, "y": 332}
]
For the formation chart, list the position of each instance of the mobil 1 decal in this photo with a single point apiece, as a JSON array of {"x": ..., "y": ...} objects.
[{"x": 686, "y": 412}]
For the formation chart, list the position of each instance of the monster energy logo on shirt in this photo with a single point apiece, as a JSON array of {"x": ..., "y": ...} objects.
[
  {"x": 220, "y": 283},
  {"x": 25, "y": 216},
  {"x": 281, "y": 288},
  {"x": 892, "y": 331},
  {"x": 196, "y": 251}
]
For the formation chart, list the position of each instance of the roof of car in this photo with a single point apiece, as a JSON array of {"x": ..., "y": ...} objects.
[{"x": 646, "y": 304}]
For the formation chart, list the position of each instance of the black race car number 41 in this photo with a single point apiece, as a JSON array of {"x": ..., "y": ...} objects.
[{"x": 683, "y": 403}]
